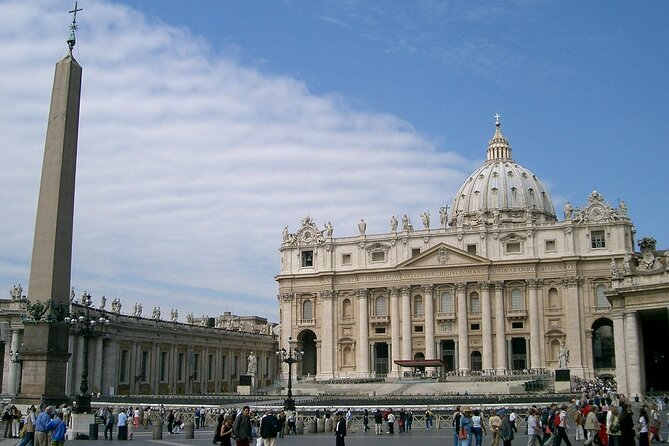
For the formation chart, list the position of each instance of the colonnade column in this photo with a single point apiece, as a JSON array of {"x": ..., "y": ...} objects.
[
  {"x": 535, "y": 343},
  {"x": 13, "y": 378},
  {"x": 327, "y": 356},
  {"x": 632, "y": 350},
  {"x": 97, "y": 374},
  {"x": 500, "y": 330},
  {"x": 463, "y": 340},
  {"x": 362, "y": 365},
  {"x": 429, "y": 322},
  {"x": 406, "y": 323},
  {"x": 394, "y": 331},
  {"x": 486, "y": 327},
  {"x": 573, "y": 328},
  {"x": 619, "y": 340}
]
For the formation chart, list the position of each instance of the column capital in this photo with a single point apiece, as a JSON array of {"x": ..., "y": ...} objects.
[
  {"x": 285, "y": 297},
  {"x": 535, "y": 283},
  {"x": 362, "y": 293},
  {"x": 485, "y": 285},
  {"x": 571, "y": 282},
  {"x": 406, "y": 290},
  {"x": 428, "y": 289},
  {"x": 328, "y": 294},
  {"x": 460, "y": 286},
  {"x": 394, "y": 291},
  {"x": 499, "y": 285}
]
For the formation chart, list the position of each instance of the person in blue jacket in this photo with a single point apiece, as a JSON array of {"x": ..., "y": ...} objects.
[{"x": 58, "y": 429}]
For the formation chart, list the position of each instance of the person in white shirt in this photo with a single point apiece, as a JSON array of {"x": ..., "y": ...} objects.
[{"x": 533, "y": 429}]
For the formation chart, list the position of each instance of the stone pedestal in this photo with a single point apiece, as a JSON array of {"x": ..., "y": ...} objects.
[
  {"x": 245, "y": 386},
  {"x": 562, "y": 381},
  {"x": 81, "y": 423}
]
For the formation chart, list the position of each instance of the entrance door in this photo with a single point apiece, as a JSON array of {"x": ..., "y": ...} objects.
[
  {"x": 448, "y": 354},
  {"x": 518, "y": 354},
  {"x": 307, "y": 341},
  {"x": 381, "y": 358}
]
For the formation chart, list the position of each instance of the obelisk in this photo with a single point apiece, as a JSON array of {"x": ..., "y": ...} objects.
[{"x": 45, "y": 340}]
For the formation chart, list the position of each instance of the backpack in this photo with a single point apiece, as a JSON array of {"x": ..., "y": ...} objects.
[{"x": 554, "y": 421}]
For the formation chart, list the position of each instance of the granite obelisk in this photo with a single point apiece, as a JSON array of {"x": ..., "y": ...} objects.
[{"x": 45, "y": 340}]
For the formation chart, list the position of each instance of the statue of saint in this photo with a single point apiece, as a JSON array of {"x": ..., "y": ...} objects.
[
  {"x": 252, "y": 364},
  {"x": 328, "y": 229},
  {"x": 103, "y": 302},
  {"x": 16, "y": 292},
  {"x": 614, "y": 268},
  {"x": 175, "y": 315},
  {"x": 285, "y": 234},
  {"x": 443, "y": 215},
  {"x": 426, "y": 219},
  {"x": 72, "y": 295},
  {"x": 156, "y": 313},
  {"x": 568, "y": 210},
  {"x": 563, "y": 356},
  {"x": 393, "y": 224},
  {"x": 362, "y": 226},
  {"x": 406, "y": 224}
]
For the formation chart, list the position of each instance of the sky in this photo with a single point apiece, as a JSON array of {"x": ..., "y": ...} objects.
[{"x": 208, "y": 126}]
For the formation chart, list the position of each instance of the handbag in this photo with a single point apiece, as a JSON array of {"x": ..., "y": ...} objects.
[{"x": 462, "y": 434}]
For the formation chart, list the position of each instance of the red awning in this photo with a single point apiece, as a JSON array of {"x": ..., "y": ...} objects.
[{"x": 420, "y": 363}]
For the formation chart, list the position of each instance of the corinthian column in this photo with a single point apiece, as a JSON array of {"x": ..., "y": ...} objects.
[
  {"x": 573, "y": 325},
  {"x": 535, "y": 337},
  {"x": 486, "y": 326},
  {"x": 394, "y": 330},
  {"x": 406, "y": 323},
  {"x": 362, "y": 365},
  {"x": 632, "y": 350},
  {"x": 429, "y": 321},
  {"x": 619, "y": 341},
  {"x": 463, "y": 340},
  {"x": 500, "y": 329},
  {"x": 328, "y": 335},
  {"x": 13, "y": 383}
]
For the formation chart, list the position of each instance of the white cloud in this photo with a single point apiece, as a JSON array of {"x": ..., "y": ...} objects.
[{"x": 190, "y": 164}]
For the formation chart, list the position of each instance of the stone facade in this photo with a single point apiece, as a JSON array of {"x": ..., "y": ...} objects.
[{"x": 497, "y": 286}]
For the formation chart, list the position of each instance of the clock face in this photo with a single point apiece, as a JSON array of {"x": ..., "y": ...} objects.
[{"x": 596, "y": 212}]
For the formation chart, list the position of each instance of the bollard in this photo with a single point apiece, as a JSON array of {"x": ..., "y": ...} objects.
[
  {"x": 311, "y": 426},
  {"x": 299, "y": 427},
  {"x": 189, "y": 430},
  {"x": 320, "y": 425},
  {"x": 93, "y": 431},
  {"x": 328, "y": 425},
  {"x": 158, "y": 431}
]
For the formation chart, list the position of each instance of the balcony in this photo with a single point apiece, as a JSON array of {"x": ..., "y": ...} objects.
[
  {"x": 306, "y": 322},
  {"x": 445, "y": 316},
  {"x": 515, "y": 314},
  {"x": 379, "y": 320}
]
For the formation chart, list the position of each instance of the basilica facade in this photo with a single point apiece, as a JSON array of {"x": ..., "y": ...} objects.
[{"x": 498, "y": 284}]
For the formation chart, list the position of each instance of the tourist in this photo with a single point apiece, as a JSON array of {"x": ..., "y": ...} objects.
[
  {"x": 494, "y": 422},
  {"x": 170, "y": 421},
  {"x": 643, "y": 427},
  {"x": 655, "y": 424},
  {"x": 409, "y": 416},
  {"x": 136, "y": 418},
  {"x": 282, "y": 422},
  {"x": 41, "y": 430},
  {"x": 378, "y": 422},
  {"x": 466, "y": 427},
  {"x": 242, "y": 429},
  {"x": 512, "y": 420},
  {"x": 365, "y": 420},
  {"x": 29, "y": 423},
  {"x": 428, "y": 418},
  {"x": 456, "y": 426},
  {"x": 122, "y": 425},
  {"x": 340, "y": 429},
  {"x": 349, "y": 420},
  {"x": 391, "y": 422},
  {"x": 533, "y": 429},
  {"x": 591, "y": 425},
  {"x": 269, "y": 425},
  {"x": 613, "y": 426},
  {"x": 627, "y": 433},
  {"x": 225, "y": 432},
  {"x": 478, "y": 427},
  {"x": 58, "y": 429},
  {"x": 109, "y": 424},
  {"x": 292, "y": 424},
  {"x": 506, "y": 430}
]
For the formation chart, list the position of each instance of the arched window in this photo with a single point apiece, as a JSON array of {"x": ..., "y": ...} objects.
[
  {"x": 603, "y": 348},
  {"x": 517, "y": 301},
  {"x": 446, "y": 302},
  {"x": 553, "y": 299},
  {"x": 418, "y": 305},
  {"x": 347, "y": 308},
  {"x": 347, "y": 354},
  {"x": 380, "y": 306},
  {"x": 476, "y": 361},
  {"x": 601, "y": 302},
  {"x": 474, "y": 303},
  {"x": 307, "y": 310}
]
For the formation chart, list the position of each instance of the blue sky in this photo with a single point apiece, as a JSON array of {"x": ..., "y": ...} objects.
[{"x": 208, "y": 126}]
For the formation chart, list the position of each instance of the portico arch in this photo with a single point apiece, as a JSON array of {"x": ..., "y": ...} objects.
[{"x": 307, "y": 343}]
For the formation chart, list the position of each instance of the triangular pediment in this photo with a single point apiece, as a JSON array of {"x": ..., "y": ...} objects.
[{"x": 443, "y": 255}]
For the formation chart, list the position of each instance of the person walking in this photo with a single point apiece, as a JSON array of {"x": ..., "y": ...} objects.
[
  {"x": 340, "y": 429},
  {"x": 533, "y": 429},
  {"x": 562, "y": 428},
  {"x": 466, "y": 427},
  {"x": 378, "y": 422},
  {"x": 391, "y": 422},
  {"x": 109, "y": 424},
  {"x": 644, "y": 439},
  {"x": 591, "y": 425},
  {"x": 494, "y": 422},
  {"x": 241, "y": 429},
  {"x": 478, "y": 427},
  {"x": 627, "y": 432},
  {"x": 456, "y": 426},
  {"x": 170, "y": 421},
  {"x": 122, "y": 425},
  {"x": 613, "y": 426},
  {"x": 225, "y": 432},
  {"x": 269, "y": 426},
  {"x": 506, "y": 430},
  {"x": 29, "y": 423},
  {"x": 41, "y": 430}
]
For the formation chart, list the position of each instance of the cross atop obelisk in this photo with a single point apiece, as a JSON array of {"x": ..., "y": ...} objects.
[{"x": 73, "y": 27}]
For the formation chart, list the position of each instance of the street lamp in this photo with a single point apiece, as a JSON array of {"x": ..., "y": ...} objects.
[
  {"x": 86, "y": 326},
  {"x": 290, "y": 357}
]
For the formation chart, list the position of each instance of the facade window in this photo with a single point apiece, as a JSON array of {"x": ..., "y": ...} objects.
[
  {"x": 475, "y": 327},
  {"x": 601, "y": 302},
  {"x": 471, "y": 249},
  {"x": 517, "y": 301},
  {"x": 379, "y": 256},
  {"x": 180, "y": 366},
  {"x": 446, "y": 302},
  {"x": 380, "y": 306},
  {"x": 474, "y": 303},
  {"x": 307, "y": 259},
  {"x": 348, "y": 355},
  {"x": 145, "y": 367},
  {"x": 517, "y": 325},
  {"x": 603, "y": 347},
  {"x": 598, "y": 239},
  {"x": 551, "y": 246},
  {"x": 415, "y": 252},
  {"x": 346, "y": 259},
  {"x": 418, "y": 305},
  {"x": 418, "y": 329},
  {"x": 477, "y": 361},
  {"x": 347, "y": 308},
  {"x": 513, "y": 248},
  {"x": 163, "y": 366},
  {"x": 307, "y": 310},
  {"x": 380, "y": 330},
  {"x": 553, "y": 299},
  {"x": 123, "y": 367}
]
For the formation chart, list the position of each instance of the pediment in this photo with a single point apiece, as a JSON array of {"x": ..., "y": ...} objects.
[{"x": 443, "y": 255}]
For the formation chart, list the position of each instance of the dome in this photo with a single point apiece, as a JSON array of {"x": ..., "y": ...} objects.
[{"x": 501, "y": 191}]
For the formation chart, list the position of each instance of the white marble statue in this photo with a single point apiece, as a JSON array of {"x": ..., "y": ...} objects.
[
  {"x": 252, "y": 364},
  {"x": 563, "y": 356},
  {"x": 362, "y": 226},
  {"x": 426, "y": 219}
]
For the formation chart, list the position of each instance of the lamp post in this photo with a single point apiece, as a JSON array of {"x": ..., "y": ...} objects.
[
  {"x": 86, "y": 326},
  {"x": 290, "y": 356}
]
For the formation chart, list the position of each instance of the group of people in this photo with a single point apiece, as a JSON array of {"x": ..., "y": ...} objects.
[
  {"x": 43, "y": 427},
  {"x": 245, "y": 427}
]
